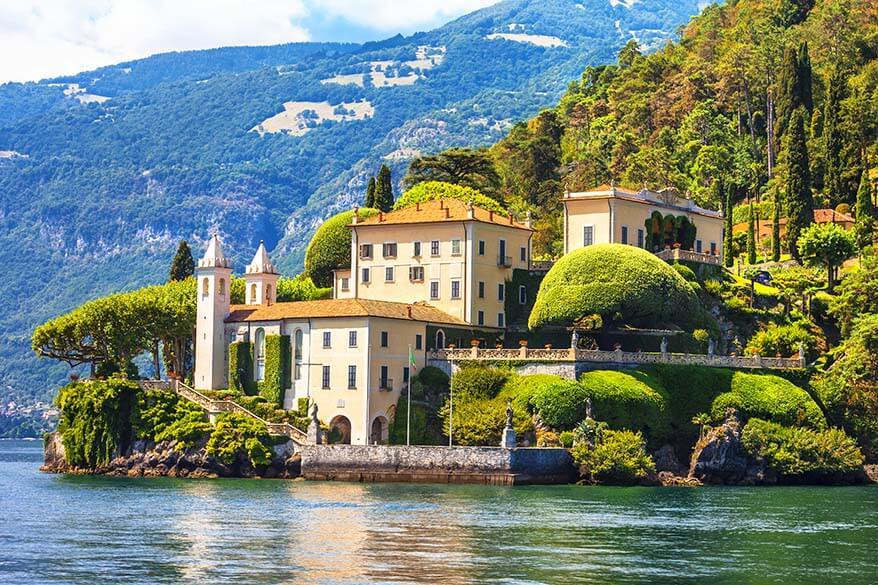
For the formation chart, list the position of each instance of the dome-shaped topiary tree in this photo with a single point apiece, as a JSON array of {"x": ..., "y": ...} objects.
[
  {"x": 435, "y": 190},
  {"x": 621, "y": 283},
  {"x": 330, "y": 247}
]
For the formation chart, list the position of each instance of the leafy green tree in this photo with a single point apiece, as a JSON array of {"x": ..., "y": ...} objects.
[
  {"x": 384, "y": 189},
  {"x": 751, "y": 236},
  {"x": 235, "y": 435},
  {"x": 796, "y": 283},
  {"x": 183, "y": 265},
  {"x": 799, "y": 200},
  {"x": 857, "y": 294},
  {"x": 435, "y": 190},
  {"x": 827, "y": 245},
  {"x": 330, "y": 247},
  {"x": 864, "y": 229},
  {"x": 459, "y": 166},
  {"x": 370, "y": 194}
]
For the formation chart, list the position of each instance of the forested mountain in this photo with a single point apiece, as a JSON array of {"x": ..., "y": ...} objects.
[{"x": 102, "y": 173}]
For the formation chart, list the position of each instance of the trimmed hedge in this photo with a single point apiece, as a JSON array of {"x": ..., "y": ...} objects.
[
  {"x": 434, "y": 190},
  {"x": 620, "y": 283},
  {"x": 629, "y": 400},
  {"x": 687, "y": 273},
  {"x": 330, "y": 247},
  {"x": 769, "y": 397},
  {"x": 560, "y": 404},
  {"x": 241, "y": 367},
  {"x": 798, "y": 451},
  {"x": 475, "y": 382},
  {"x": 277, "y": 369}
]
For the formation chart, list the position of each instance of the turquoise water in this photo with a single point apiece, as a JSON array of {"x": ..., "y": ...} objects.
[{"x": 59, "y": 529}]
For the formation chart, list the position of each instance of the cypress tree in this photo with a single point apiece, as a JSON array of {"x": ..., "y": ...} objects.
[
  {"x": 384, "y": 190},
  {"x": 865, "y": 225},
  {"x": 795, "y": 82},
  {"x": 805, "y": 79},
  {"x": 183, "y": 266},
  {"x": 751, "y": 236},
  {"x": 799, "y": 201},
  {"x": 833, "y": 141},
  {"x": 370, "y": 194},
  {"x": 775, "y": 229},
  {"x": 725, "y": 192}
]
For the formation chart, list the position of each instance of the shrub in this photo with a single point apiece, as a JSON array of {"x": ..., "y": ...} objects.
[
  {"x": 330, "y": 247},
  {"x": 190, "y": 426},
  {"x": 300, "y": 288},
  {"x": 616, "y": 457},
  {"x": 434, "y": 190},
  {"x": 433, "y": 378},
  {"x": 687, "y": 273},
  {"x": 157, "y": 410},
  {"x": 566, "y": 439},
  {"x": 477, "y": 382},
  {"x": 620, "y": 283},
  {"x": 97, "y": 420},
  {"x": 781, "y": 340},
  {"x": 628, "y": 400},
  {"x": 796, "y": 451},
  {"x": 236, "y": 434},
  {"x": 560, "y": 404},
  {"x": 769, "y": 397}
]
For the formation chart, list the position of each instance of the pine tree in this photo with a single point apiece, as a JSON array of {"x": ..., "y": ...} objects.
[
  {"x": 384, "y": 190},
  {"x": 725, "y": 192},
  {"x": 799, "y": 200},
  {"x": 370, "y": 194},
  {"x": 833, "y": 141},
  {"x": 183, "y": 266},
  {"x": 751, "y": 236},
  {"x": 775, "y": 229},
  {"x": 864, "y": 229}
]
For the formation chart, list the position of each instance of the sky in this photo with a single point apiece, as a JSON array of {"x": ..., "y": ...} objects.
[{"x": 47, "y": 38}]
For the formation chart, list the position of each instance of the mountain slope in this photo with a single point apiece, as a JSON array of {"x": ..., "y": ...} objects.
[{"x": 258, "y": 143}]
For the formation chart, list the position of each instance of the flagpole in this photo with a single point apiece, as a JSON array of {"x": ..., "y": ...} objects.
[
  {"x": 451, "y": 403},
  {"x": 408, "y": 410}
]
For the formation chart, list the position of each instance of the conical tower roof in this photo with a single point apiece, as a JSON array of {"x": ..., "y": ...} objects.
[
  {"x": 213, "y": 256},
  {"x": 261, "y": 263}
]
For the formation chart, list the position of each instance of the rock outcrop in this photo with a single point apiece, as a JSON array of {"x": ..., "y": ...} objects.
[{"x": 720, "y": 458}]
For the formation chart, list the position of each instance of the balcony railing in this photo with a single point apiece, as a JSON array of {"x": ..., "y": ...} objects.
[
  {"x": 385, "y": 385},
  {"x": 504, "y": 261}
]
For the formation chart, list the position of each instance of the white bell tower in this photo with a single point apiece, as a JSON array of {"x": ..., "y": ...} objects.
[
  {"x": 261, "y": 278},
  {"x": 213, "y": 279}
]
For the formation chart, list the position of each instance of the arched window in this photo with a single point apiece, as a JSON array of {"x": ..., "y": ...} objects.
[
  {"x": 267, "y": 294},
  {"x": 297, "y": 354},
  {"x": 260, "y": 354},
  {"x": 205, "y": 287},
  {"x": 222, "y": 287},
  {"x": 440, "y": 339},
  {"x": 253, "y": 299}
]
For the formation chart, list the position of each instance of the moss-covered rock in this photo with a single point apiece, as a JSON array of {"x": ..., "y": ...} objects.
[{"x": 621, "y": 283}]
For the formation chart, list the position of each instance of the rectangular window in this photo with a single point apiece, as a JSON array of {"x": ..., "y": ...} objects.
[
  {"x": 481, "y": 318},
  {"x": 455, "y": 289},
  {"x": 501, "y": 320},
  {"x": 388, "y": 250},
  {"x": 481, "y": 247},
  {"x": 366, "y": 251},
  {"x": 588, "y": 235},
  {"x": 388, "y": 274},
  {"x": 366, "y": 275},
  {"x": 383, "y": 382},
  {"x": 455, "y": 247},
  {"x": 522, "y": 295},
  {"x": 523, "y": 253},
  {"x": 641, "y": 238},
  {"x": 345, "y": 284},
  {"x": 419, "y": 341},
  {"x": 326, "y": 377},
  {"x": 327, "y": 339},
  {"x": 624, "y": 234},
  {"x": 434, "y": 248},
  {"x": 416, "y": 273},
  {"x": 434, "y": 289},
  {"x": 384, "y": 339},
  {"x": 501, "y": 292},
  {"x": 481, "y": 290},
  {"x": 352, "y": 339},
  {"x": 698, "y": 246},
  {"x": 417, "y": 251},
  {"x": 405, "y": 375},
  {"x": 713, "y": 248},
  {"x": 352, "y": 377},
  {"x": 504, "y": 260}
]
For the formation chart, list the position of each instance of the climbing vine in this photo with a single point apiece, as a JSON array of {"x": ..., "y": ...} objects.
[
  {"x": 241, "y": 367},
  {"x": 277, "y": 368}
]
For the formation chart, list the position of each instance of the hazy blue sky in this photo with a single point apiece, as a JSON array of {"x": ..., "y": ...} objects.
[{"x": 44, "y": 38}]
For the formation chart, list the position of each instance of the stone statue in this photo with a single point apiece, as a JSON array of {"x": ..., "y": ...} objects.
[
  {"x": 711, "y": 347},
  {"x": 802, "y": 351},
  {"x": 314, "y": 418},
  {"x": 574, "y": 339},
  {"x": 509, "y": 440},
  {"x": 314, "y": 436},
  {"x": 664, "y": 344},
  {"x": 509, "y": 414},
  {"x": 588, "y": 413}
]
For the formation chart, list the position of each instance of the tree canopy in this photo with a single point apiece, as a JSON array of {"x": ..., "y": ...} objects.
[
  {"x": 435, "y": 190},
  {"x": 460, "y": 166},
  {"x": 827, "y": 245},
  {"x": 330, "y": 247},
  {"x": 183, "y": 265}
]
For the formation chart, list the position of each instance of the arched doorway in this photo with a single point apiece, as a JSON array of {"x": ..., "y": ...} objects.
[
  {"x": 378, "y": 436},
  {"x": 440, "y": 339},
  {"x": 340, "y": 430},
  {"x": 260, "y": 354}
]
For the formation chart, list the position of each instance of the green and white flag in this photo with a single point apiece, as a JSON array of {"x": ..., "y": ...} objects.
[{"x": 412, "y": 360}]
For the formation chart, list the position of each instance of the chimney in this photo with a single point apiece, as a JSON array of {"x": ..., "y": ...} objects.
[
  {"x": 528, "y": 221},
  {"x": 441, "y": 204},
  {"x": 418, "y": 206},
  {"x": 356, "y": 215},
  {"x": 470, "y": 212},
  {"x": 490, "y": 216},
  {"x": 447, "y": 213},
  {"x": 510, "y": 219},
  {"x": 380, "y": 216},
  {"x": 409, "y": 307}
]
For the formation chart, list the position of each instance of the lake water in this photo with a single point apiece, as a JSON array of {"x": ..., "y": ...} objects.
[{"x": 59, "y": 529}]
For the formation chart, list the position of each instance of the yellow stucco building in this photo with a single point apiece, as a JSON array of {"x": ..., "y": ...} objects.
[
  {"x": 420, "y": 278},
  {"x": 608, "y": 214}
]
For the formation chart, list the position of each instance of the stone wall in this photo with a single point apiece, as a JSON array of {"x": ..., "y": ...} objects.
[{"x": 484, "y": 465}]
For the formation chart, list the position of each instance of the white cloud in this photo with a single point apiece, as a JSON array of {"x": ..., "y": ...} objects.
[{"x": 44, "y": 38}]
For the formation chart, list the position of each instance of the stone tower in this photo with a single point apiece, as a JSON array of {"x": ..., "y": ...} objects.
[
  {"x": 261, "y": 278},
  {"x": 213, "y": 279}
]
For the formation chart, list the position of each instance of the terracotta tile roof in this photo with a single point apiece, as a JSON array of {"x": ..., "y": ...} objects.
[
  {"x": 341, "y": 308},
  {"x": 831, "y": 216},
  {"x": 441, "y": 211}
]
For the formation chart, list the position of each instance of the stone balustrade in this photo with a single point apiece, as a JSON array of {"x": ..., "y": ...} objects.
[
  {"x": 678, "y": 254},
  {"x": 617, "y": 357}
]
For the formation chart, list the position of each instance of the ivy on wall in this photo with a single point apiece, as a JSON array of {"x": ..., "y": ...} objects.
[
  {"x": 241, "y": 367},
  {"x": 277, "y": 368}
]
